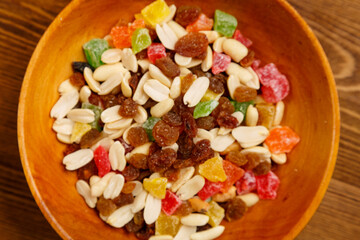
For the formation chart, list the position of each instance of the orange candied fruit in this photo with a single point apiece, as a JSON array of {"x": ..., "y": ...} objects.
[
  {"x": 121, "y": 35},
  {"x": 203, "y": 23},
  {"x": 282, "y": 140}
]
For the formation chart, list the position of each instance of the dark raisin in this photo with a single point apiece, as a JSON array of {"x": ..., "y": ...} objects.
[
  {"x": 248, "y": 60},
  {"x": 89, "y": 138},
  {"x": 189, "y": 124},
  {"x": 80, "y": 66},
  {"x": 85, "y": 172},
  {"x": 164, "y": 134},
  {"x": 161, "y": 160},
  {"x": 171, "y": 174},
  {"x": 186, "y": 145},
  {"x": 137, "y": 136},
  {"x": 202, "y": 151},
  {"x": 77, "y": 79},
  {"x": 128, "y": 108},
  {"x": 130, "y": 173},
  {"x": 145, "y": 233},
  {"x": 224, "y": 106},
  {"x": 105, "y": 206},
  {"x": 128, "y": 148},
  {"x": 183, "y": 163},
  {"x": 123, "y": 199},
  {"x": 131, "y": 227},
  {"x": 193, "y": 44},
  {"x": 235, "y": 209},
  {"x": 149, "y": 104},
  {"x": 203, "y": 228},
  {"x": 153, "y": 148},
  {"x": 133, "y": 81},
  {"x": 186, "y": 82},
  {"x": 187, "y": 14},
  {"x": 70, "y": 148},
  {"x": 173, "y": 119},
  {"x": 206, "y": 123},
  {"x": 216, "y": 85},
  {"x": 139, "y": 217},
  {"x": 198, "y": 72},
  {"x": 253, "y": 160},
  {"x": 262, "y": 169},
  {"x": 143, "y": 174},
  {"x": 153, "y": 34},
  {"x": 171, "y": 54},
  {"x": 168, "y": 67},
  {"x": 95, "y": 99},
  {"x": 226, "y": 120},
  {"x": 237, "y": 158},
  {"x": 142, "y": 54},
  {"x": 139, "y": 160},
  {"x": 109, "y": 100},
  {"x": 244, "y": 94}
]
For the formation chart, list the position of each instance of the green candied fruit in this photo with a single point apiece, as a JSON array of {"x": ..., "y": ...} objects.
[
  {"x": 224, "y": 23},
  {"x": 242, "y": 106},
  {"x": 204, "y": 109},
  {"x": 93, "y": 50},
  {"x": 140, "y": 40},
  {"x": 148, "y": 125},
  {"x": 97, "y": 110}
]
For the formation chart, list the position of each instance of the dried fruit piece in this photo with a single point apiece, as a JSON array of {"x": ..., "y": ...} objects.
[
  {"x": 267, "y": 185},
  {"x": 156, "y": 51},
  {"x": 121, "y": 36},
  {"x": 184, "y": 209},
  {"x": 85, "y": 172},
  {"x": 199, "y": 205},
  {"x": 253, "y": 160},
  {"x": 189, "y": 124},
  {"x": 217, "y": 84},
  {"x": 213, "y": 170},
  {"x": 246, "y": 184},
  {"x": 187, "y": 14},
  {"x": 202, "y": 23},
  {"x": 77, "y": 80},
  {"x": 161, "y": 160},
  {"x": 237, "y": 158},
  {"x": 202, "y": 151},
  {"x": 215, "y": 213},
  {"x": 233, "y": 174},
  {"x": 168, "y": 67},
  {"x": 170, "y": 203},
  {"x": 206, "y": 123},
  {"x": 266, "y": 114},
  {"x": 123, "y": 199},
  {"x": 242, "y": 106},
  {"x": 128, "y": 187},
  {"x": 101, "y": 158},
  {"x": 132, "y": 227},
  {"x": 203, "y": 109},
  {"x": 130, "y": 173},
  {"x": 140, "y": 40},
  {"x": 148, "y": 125},
  {"x": 245, "y": 41},
  {"x": 128, "y": 108},
  {"x": 164, "y": 134},
  {"x": 137, "y": 136},
  {"x": 263, "y": 168},
  {"x": 209, "y": 189},
  {"x": 226, "y": 120},
  {"x": 248, "y": 60},
  {"x": 244, "y": 94},
  {"x": 105, "y": 206},
  {"x": 155, "y": 12},
  {"x": 167, "y": 225},
  {"x": 93, "y": 51},
  {"x": 224, "y": 106},
  {"x": 70, "y": 148},
  {"x": 224, "y": 23},
  {"x": 282, "y": 140},
  {"x": 138, "y": 160},
  {"x": 173, "y": 119},
  {"x": 156, "y": 187},
  {"x": 193, "y": 44},
  {"x": 220, "y": 62},
  {"x": 97, "y": 111},
  {"x": 186, "y": 146},
  {"x": 186, "y": 82},
  {"x": 235, "y": 209}
]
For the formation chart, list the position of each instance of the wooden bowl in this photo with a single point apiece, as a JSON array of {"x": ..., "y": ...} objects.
[{"x": 279, "y": 34}]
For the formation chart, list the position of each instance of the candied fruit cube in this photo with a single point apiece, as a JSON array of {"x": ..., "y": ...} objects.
[
  {"x": 220, "y": 62},
  {"x": 225, "y": 23},
  {"x": 203, "y": 109},
  {"x": 246, "y": 184},
  {"x": 93, "y": 50},
  {"x": 102, "y": 162},
  {"x": 78, "y": 131},
  {"x": 266, "y": 114},
  {"x": 149, "y": 125},
  {"x": 155, "y": 12},
  {"x": 238, "y": 36},
  {"x": 170, "y": 203},
  {"x": 267, "y": 185},
  {"x": 233, "y": 174},
  {"x": 156, "y": 186},
  {"x": 210, "y": 95},
  {"x": 202, "y": 23},
  {"x": 213, "y": 170},
  {"x": 215, "y": 213},
  {"x": 121, "y": 36},
  {"x": 140, "y": 40},
  {"x": 209, "y": 189},
  {"x": 167, "y": 225},
  {"x": 156, "y": 51},
  {"x": 97, "y": 111},
  {"x": 282, "y": 140}
]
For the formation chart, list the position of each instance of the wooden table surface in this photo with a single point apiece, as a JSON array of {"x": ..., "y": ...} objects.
[{"x": 335, "y": 22}]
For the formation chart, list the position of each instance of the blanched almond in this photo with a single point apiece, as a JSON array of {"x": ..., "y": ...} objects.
[
  {"x": 140, "y": 96},
  {"x": 252, "y": 116},
  {"x": 111, "y": 56},
  {"x": 217, "y": 46},
  {"x": 138, "y": 188},
  {"x": 81, "y": 115},
  {"x": 196, "y": 91},
  {"x": 195, "y": 219},
  {"x": 156, "y": 73},
  {"x": 254, "y": 82},
  {"x": 111, "y": 83},
  {"x": 66, "y": 87},
  {"x": 211, "y": 233},
  {"x": 114, "y": 186},
  {"x": 143, "y": 149},
  {"x": 191, "y": 187},
  {"x": 129, "y": 60},
  {"x": 121, "y": 216},
  {"x": 63, "y": 126},
  {"x": 244, "y": 75},
  {"x": 152, "y": 209},
  {"x": 156, "y": 90},
  {"x": 262, "y": 152},
  {"x": 185, "y": 232},
  {"x": 161, "y": 108},
  {"x": 233, "y": 83},
  {"x": 177, "y": 29},
  {"x": 65, "y": 103},
  {"x": 161, "y": 237},
  {"x": 250, "y": 199},
  {"x": 279, "y": 158},
  {"x": 117, "y": 156},
  {"x": 221, "y": 142},
  {"x": 103, "y": 72},
  {"x": 203, "y": 134},
  {"x": 117, "y": 133},
  {"x": 193, "y": 63},
  {"x": 235, "y": 146},
  {"x": 64, "y": 138},
  {"x": 224, "y": 197},
  {"x": 174, "y": 146},
  {"x": 98, "y": 188},
  {"x": 184, "y": 175},
  {"x": 83, "y": 189},
  {"x": 212, "y": 36},
  {"x": 279, "y": 113},
  {"x": 93, "y": 85},
  {"x": 139, "y": 201},
  {"x": 224, "y": 131},
  {"x": 239, "y": 116},
  {"x": 169, "y": 17},
  {"x": 119, "y": 124},
  {"x": 144, "y": 64},
  {"x": 208, "y": 61},
  {"x": 110, "y": 114},
  {"x": 141, "y": 115},
  {"x": 175, "y": 89},
  {"x": 105, "y": 142},
  {"x": 85, "y": 93},
  {"x": 181, "y": 60},
  {"x": 235, "y": 49},
  {"x": 184, "y": 71},
  {"x": 125, "y": 87},
  {"x": 78, "y": 159},
  {"x": 250, "y": 136},
  {"x": 166, "y": 35}
]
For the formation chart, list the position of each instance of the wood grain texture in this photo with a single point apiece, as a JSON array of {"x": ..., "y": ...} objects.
[{"x": 336, "y": 24}]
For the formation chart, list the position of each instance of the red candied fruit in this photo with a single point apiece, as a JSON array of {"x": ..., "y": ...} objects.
[
  {"x": 267, "y": 185},
  {"x": 202, "y": 23},
  {"x": 156, "y": 51},
  {"x": 170, "y": 203},
  {"x": 275, "y": 86},
  {"x": 220, "y": 62},
  {"x": 209, "y": 189},
  {"x": 238, "y": 36},
  {"x": 282, "y": 140},
  {"x": 101, "y": 158},
  {"x": 233, "y": 174},
  {"x": 246, "y": 184}
]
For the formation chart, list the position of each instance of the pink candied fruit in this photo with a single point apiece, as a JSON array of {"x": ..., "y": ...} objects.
[
  {"x": 267, "y": 185},
  {"x": 156, "y": 51},
  {"x": 102, "y": 162},
  {"x": 275, "y": 86},
  {"x": 246, "y": 184},
  {"x": 170, "y": 203},
  {"x": 209, "y": 189},
  {"x": 238, "y": 36},
  {"x": 220, "y": 62}
]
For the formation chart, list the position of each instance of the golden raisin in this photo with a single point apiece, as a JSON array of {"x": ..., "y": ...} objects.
[
  {"x": 128, "y": 187},
  {"x": 89, "y": 138},
  {"x": 253, "y": 160},
  {"x": 186, "y": 82},
  {"x": 139, "y": 160},
  {"x": 248, "y": 60},
  {"x": 137, "y": 136},
  {"x": 193, "y": 44},
  {"x": 164, "y": 134},
  {"x": 128, "y": 108},
  {"x": 266, "y": 114},
  {"x": 244, "y": 94},
  {"x": 237, "y": 158},
  {"x": 262, "y": 169},
  {"x": 77, "y": 80},
  {"x": 168, "y": 67},
  {"x": 123, "y": 199},
  {"x": 184, "y": 209},
  {"x": 105, "y": 206},
  {"x": 235, "y": 209}
]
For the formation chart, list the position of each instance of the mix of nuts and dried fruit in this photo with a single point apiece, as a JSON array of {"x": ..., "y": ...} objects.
[{"x": 172, "y": 125}]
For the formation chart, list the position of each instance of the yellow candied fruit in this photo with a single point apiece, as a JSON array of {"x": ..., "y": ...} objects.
[
  {"x": 156, "y": 186},
  {"x": 210, "y": 95},
  {"x": 140, "y": 16},
  {"x": 155, "y": 12},
  {"x": 167, "y": 225},
  {"x": 213, "y": 170},
  {"x": 215, "y": 213},
  {"x": 78, "y": 131}
]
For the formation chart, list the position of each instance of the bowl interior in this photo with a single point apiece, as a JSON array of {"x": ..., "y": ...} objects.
[{"x": 279, "y": 36}]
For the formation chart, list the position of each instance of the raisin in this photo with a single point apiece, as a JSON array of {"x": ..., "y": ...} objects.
[
  {"x": 206, "y": 123},
  {"x": 203, "y": 228},
  {"x": 142, "y": 55},
  {"x": 202, "y": 151},
  {"x": 186, "y": 82},
  {"x": 145, "y": 233},
  {"x": 70, "y": 148},
  {"x": 128, "y": 148},
  {"x": 139, "y": 217},
  {"x": 85, "y": 172},
  {"x": 187, "y": 14},
  {"x": 105, "y": 206},
  {"x": 171, "y": 174},
  {"x": 153, "y": 34},
  {"x": 128, "y": 187},
  {"x": 216, "y": 85},
  {"x": 253, "y": 161},
  {"x": 184, "y": 209},
  {"x": 226, "y": 120},
  {"x": 123, "y": 199},
  {"x": 173, "y": 119},
  {"x": 139, "y": 160},
  {"x": 134, "y": 80},
  {"x": 224, "y": 106},
  {"x": 248, "y": 60},
  {"x": 198, "y": 72},
  {"x": 237, "y": 158},
  {"x": 95, "y": 99},
  {"x": 80, "y": 66},
  {"x": 161, "y": 160},
  {"x": 189, "y": 124},
  {"x": 262, "y": 169},
  {"x": 164, "y": 134},
  {"x": 186, "y": 145},
  {"x": 130, "y": 173},
  {"x": 128, "y": 108},
  {"x": 183, "y": 163},
  {"x": 132, "y": 227},
  {"x": 137, "y": 136},
  {"x": 244, "y": 94},
  {"x": 235, "y": 209},
  {"x": 149, "y": 104},
  {"x": 89, "y": 138},
  {"x": 77, "y": 80},
  {"x": 153, "y": 148},
  {"x": 193, "y": 44},
  {"x": 109, "y": 100},
  {"x": 221, "y": 77},
  {"x": 143, "y": 174},
  {"x": 168, "y": 67}
]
